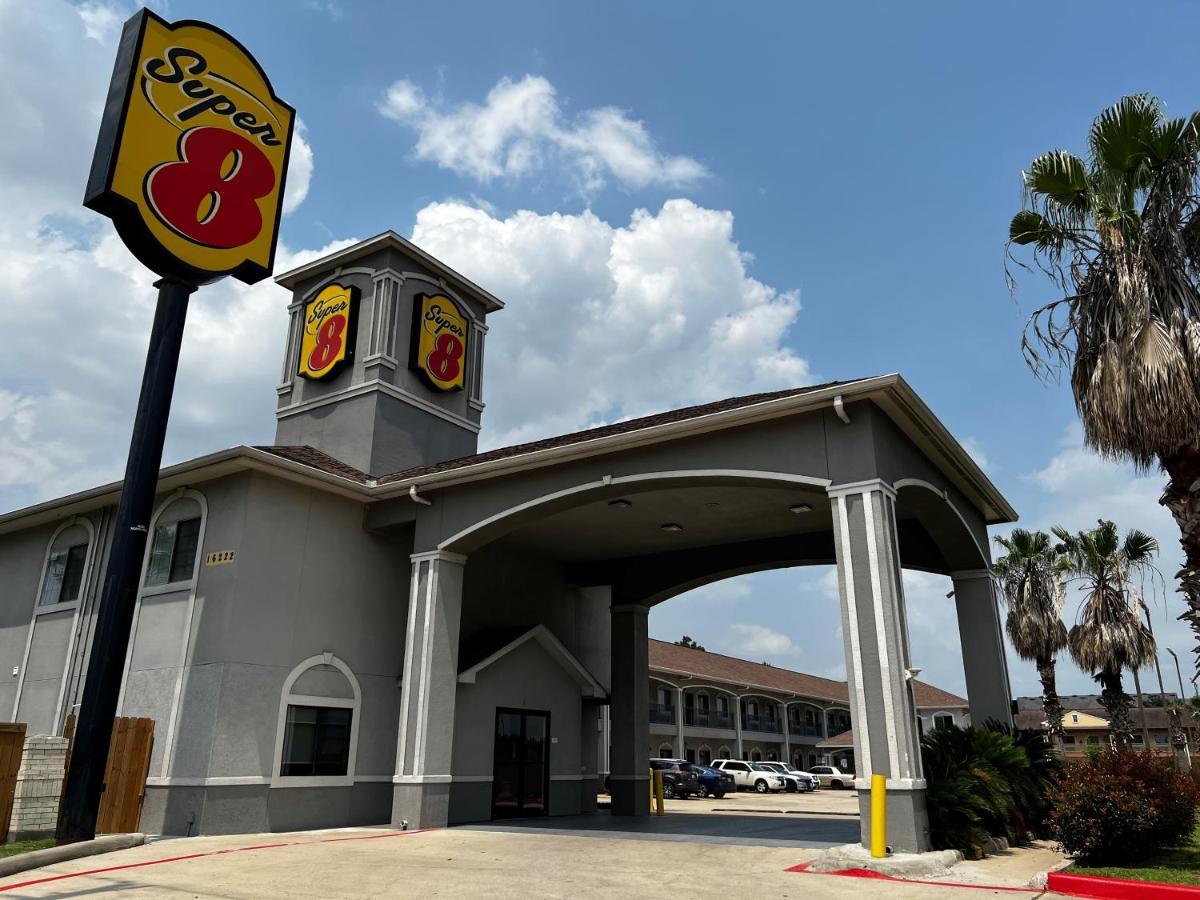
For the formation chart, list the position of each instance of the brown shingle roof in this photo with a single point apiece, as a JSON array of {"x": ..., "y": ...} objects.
[
  {"x": 700, "y": 663},
  {"x": 310, "y": 456},
  {"x": 845, "y": 739},
  {"x": 591, "y": 434}
]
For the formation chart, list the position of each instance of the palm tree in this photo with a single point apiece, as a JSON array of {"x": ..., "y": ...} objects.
[
  {"x": 1119, "y": 235},
  {"x": 1030, "y": 577},
  {"x": 1110, "y": 635}
]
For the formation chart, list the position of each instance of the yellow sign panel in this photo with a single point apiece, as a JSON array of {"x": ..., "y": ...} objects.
[
  {"x": 193, "y": 150},
  {"x": 330, "y": 328},
  {"x": 439, "y": 346}
]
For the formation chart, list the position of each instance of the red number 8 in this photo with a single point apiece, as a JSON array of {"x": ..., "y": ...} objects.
[
  {"x": 199, "y": 200},
  {"x": 443, "y": 361},
  {"x": 329, "y": 343}
]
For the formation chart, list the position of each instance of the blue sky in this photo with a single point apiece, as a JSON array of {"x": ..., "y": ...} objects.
[{"x": 842, "y": 175}]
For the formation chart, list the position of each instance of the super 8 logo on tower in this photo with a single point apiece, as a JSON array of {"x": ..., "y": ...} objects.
[{"x": 193, "y": 152}]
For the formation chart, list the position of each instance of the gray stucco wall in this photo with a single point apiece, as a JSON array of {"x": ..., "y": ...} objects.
[
  {"x": 306, "y": 580},
  {"x": 526, "y": 678}
]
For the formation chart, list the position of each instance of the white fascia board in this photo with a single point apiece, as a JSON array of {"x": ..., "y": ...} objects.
[
  {"x": 189, "y": 472},
  {"x": 651, "y": 434}
]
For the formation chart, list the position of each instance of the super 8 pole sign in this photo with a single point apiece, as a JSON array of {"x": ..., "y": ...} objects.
[{"x": 192, "y": 155}]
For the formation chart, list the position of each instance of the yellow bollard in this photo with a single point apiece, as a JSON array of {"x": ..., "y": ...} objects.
[
  {"x": 658, "y": 792},
  {"x": 651, "y": 792},
  {"x": 878, "y": 816}
]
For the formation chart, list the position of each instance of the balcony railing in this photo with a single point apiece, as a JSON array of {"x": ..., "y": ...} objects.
[
  {"x": 662, "y": 715},
  {"x": 804, "y": 729},
  {"x": 762, "y": 723},
  {"x": 707, "y": 718}
]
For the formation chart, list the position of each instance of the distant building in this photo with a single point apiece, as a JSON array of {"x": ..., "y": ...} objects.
[
  {"x": 1086, "y": 724},
  {"x": 706, "y": 706}
]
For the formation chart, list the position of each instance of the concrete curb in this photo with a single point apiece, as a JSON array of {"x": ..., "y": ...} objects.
[
  {"x": 898, "y": 865},
  {"x": 35, "y": 859}
]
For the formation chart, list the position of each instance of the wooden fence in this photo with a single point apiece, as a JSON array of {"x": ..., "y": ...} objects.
[
  {"x": 124, "y": 775},
  {"x": 12, "y": 747}
]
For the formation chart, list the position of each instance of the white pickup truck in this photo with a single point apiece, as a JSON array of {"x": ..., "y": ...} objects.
[{"x": 750, "y": 776}]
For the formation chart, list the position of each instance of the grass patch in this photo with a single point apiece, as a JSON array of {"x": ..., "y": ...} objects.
[
  {"x": 1180, "y": 865},
  {"x": 24, "y": 846}
]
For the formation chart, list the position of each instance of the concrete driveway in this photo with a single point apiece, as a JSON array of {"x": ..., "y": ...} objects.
[{"x": 456, "y": 862}]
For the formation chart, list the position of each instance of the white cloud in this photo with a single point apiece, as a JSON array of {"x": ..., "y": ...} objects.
[
  {"x": 607, "y": 322},
  {"x": 102, "y": 21},
  {"x": 520, "y": 129},
  {"x": 300, "y": 169},
  {"x": 756, "y": 642}
]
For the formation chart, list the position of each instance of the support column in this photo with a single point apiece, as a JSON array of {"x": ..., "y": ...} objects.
[
  {"x": 787, "y": 737},
  {"x": 984, "y": 663},
  {"x": 679, "y": 743},
  {"x": 875, "y": 628},
  {"x": 737, "y": 719},
  {"x": 421, "y": 792},
  {"x": 630, "y": 711}
]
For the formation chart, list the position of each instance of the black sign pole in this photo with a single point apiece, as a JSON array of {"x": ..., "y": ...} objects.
[{"x": 93, "y": 730}]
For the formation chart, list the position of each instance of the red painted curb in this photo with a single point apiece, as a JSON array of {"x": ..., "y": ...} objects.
[
  {"x": 1096, "y": 888},
  {"x": 170, "y": 859}
]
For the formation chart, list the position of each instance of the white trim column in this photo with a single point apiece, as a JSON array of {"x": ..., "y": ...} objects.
[
  {"x": 421, "y": 795},
  {"x": 629, "y": 778},
  {"x": 875, "y": 627},
  {"x": 737, "y": 723},
  {"x": 679, "y": 742},
  {"x": 985, "y": 665},
  {"x": 787, "y": 736}
]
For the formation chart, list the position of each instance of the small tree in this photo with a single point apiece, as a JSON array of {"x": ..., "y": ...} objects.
[
  {"x": 1031, "y": 581},
  {"x": 1110, "y": 635},
  {"x": 686, "y": 641}
]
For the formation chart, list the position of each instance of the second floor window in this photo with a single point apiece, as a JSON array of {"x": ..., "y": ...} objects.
[
  {"x": 64, "y": 568},
  {"x": 173, "y": 552}
]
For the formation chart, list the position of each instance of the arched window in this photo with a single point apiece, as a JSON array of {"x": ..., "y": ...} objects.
[
  {"x": 756, "y": 755},
  {"x": 723, "y": 753},
  {"x": 174, "y": 544},
  {"x": 704, "y": 754},
  {"x": 666, "y": 751},
  {"x": 62, "y": 579},
  {"x": 317, "y": 738},
  {"x": 60, "y": 593},
  {"x": 772, "y": 756}
]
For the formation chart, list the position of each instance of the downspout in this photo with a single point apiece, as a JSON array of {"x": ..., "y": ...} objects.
[
  {"x": 840, "y": 409},
  {"x": 417, "y": 498}
]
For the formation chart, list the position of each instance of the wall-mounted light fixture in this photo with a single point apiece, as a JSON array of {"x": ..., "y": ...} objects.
[
  {"x": 619, "y": 504},
  {"x": 798, "y": 508},
  {"x": 671, "y": 526}
]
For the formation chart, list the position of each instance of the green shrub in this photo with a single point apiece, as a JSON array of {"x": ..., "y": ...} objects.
[
  {"x": 1119, "y": 805},
  {"x": 983, "y": 782}
]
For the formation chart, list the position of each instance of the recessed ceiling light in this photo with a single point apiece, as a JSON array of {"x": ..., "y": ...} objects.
[
  {"x": 619, "y": 504},
  {"x": 801, "y": 508},
  {"x": 672, "y": 526}
]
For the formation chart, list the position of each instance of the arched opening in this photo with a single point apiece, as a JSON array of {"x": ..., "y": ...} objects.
[{"x": 613, "y": 550}]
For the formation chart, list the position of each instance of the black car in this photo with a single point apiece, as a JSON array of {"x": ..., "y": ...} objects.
[{"x": 678, "y": 778}]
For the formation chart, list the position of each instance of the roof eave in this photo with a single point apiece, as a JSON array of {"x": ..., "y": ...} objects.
[
  {"x": 346, "y": 255},
  {"x": 895, "y": 396},
  {"x": 188, "y": 472}
]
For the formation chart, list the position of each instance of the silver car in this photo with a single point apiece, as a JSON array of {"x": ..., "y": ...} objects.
[{"x": 794, "y": 783}]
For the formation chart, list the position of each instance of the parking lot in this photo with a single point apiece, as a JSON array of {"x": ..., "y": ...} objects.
[{"x": 457, "y": 862}]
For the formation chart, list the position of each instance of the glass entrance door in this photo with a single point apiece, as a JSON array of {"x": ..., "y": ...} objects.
[{"x": 520, "y": 769}]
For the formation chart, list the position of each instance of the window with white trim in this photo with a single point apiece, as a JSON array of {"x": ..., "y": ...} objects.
[
  {"x": 174, "y": 544},
  {"x": 318, "y": 724},
  {"x": 63, "y": 579},
  {"x": 943, "y": 720}
]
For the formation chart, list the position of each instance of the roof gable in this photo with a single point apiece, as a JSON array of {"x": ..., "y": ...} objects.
[{"x": 554, "y": 648}]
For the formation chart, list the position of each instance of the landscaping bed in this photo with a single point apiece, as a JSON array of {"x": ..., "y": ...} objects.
[{"x": 1179, "y": 865}]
